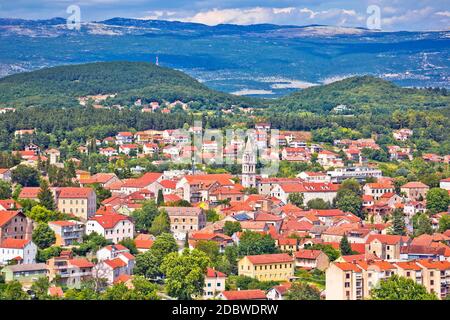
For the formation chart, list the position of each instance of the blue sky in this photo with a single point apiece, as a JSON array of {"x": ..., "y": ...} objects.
[{"x": 395, "y": 14}]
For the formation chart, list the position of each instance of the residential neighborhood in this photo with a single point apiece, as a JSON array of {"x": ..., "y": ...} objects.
[{"x": 340, "y": 227}]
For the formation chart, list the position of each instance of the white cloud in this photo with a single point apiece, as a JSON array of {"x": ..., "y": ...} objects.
[{"x": 443, "y": 13}]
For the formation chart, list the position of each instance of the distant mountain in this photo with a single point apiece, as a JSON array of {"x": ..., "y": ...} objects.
[
  {"x": 61, "y": 86},
  {"x": 259, "y": 60}
]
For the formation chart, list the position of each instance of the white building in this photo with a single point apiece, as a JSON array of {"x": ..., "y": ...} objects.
[
  {"x": 114, "y": 227},
  {"x": 359, "y": 173},
  {"x": 24, "y": 251},
  {"x": 214, "y": 283}
]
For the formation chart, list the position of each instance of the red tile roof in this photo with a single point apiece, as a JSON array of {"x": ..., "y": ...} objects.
[
  {"x": 211, "y": 273},
  {"x": 414, "y": 184},
  {"x": 6, "y": 216},
  {"x": 109, "y": 221},
  {"x": 270, "y": 258},
  {"x": 81, "y": 263},
  {"x": 307, "y": 254},
  {"x": 347, "y": 266},
  {"x": 75, "y": 193},
  {"x": 387, "y": 239},
  {"x": 11, "y": 243},
  {"x": 115, "y": 263},
  {"x": 244, "y": 295}
]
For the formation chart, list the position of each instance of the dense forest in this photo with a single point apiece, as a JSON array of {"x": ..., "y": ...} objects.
[
  {"x": 61, "y": 86},
  {"x": 375, "y": 107},
  {"x": 362, "y": 95}
]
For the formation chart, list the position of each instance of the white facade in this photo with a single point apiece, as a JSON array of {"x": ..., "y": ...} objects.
[
  {"x": 27, "y": 253},
  {"x": 123, "y": 229}
]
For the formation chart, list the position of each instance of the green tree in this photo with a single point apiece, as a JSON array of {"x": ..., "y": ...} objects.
[
  {"x": 398, "y": 223},
  {"x": 211, "y": 248},
  {"x": 212, "y": 215},
  {"x": 45, "y": 196},
  {"x": 161, "y": 224},
  {"x": 296, "y": 199},
  {"x": 302, "y": 291},
  {"x": 130, "y": 244},
  {"x": 331, "y": 252},
  {"x": 185, "y": 273},
  {"x": 348, "y": 201},
  {"x": 13, "y": 291},
  {"x": 41, "y": 214},
  {"x": 444, "y": 223},
  {"x": 438, "y": 200},
  {"x": 40, "y": 288},
  {"x": 253, "y": 243},
  {"x": 160, "y": 198},
  {"x": 345, "y": 247},
  {"x": 422, "y": 224},
  {"x": 101, "y": 193},
  {"x": 44, "y": 254},
  {"x": 148, "y": 263},
  {"x": 25, "y": 176},
  {"x": 143, "y": 217},
  {"x": 231, "y": 227},
  {"x": 352, "y": 185},
  {"x": 318, "y": 204},
  {"x": 43, "y": 236},
  {"x": 5, "y": 190},
  {"x": 400, "y": 288}
]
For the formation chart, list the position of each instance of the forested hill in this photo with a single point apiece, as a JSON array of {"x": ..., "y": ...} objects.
[
  {"x": 360, "y": 95},
  {"x": 61, "y": 86}
]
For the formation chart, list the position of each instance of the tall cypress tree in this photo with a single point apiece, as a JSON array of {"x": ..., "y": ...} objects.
[
  {"x": 45, "y": 196},
  {"x": 398, "y": 223},
  {"x": 345, "y": 247},
  {"x": 160, "y": 198}
]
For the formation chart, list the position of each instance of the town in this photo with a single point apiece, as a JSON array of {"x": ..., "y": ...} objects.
[{"x": 184, "y": 214}]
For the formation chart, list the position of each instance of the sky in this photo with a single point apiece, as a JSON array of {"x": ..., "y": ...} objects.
[{"x": 394, "y": 15}]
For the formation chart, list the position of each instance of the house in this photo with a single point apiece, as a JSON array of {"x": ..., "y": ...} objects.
[
  {"x": 267, "y": 267},
  {"x": 104, "y": 180},
  {"x": 124, "y": 138},
  {"x": 14, "y": 224},
  {"x": 377, "y": 189},
  {"x": 354, "y": 280},
  {"x": 402, "y": 134},
  {"x": 415, "y": 190},
  {"x": 112, "y": 226},
  {"x": 222, "y": 240},
  {"x": 80, "y": 202},
  {"x": 150, "y": 148},
  {"x": 26, "y": 274},
  {"x": 149, "y": 181},
  {"x": 386, "y": 247},
  {"x": 214, "y": 283},
  {"x": 185, "y": 220},
  {"x": 22, "y": 250},
  {"x": 112, "y": 269},
  {"x": 314, "y": 177},
  {"x": 310, "y": 190},
  {"x": 143, "y": 242},
  {"x": 329, "y": 159},
  {"x": 5, "y": 174},
  {"x": 111, "y": 251},
  {"x": 194, "y": 188},
  {"x": 361, "y": 174},
  {"x": 243, "y": 295},
  {"x": 278, "y": 292},
  {"x": 70, "y": 271},
  {"x": 128, "y": 148},
  {"x": 67, "y": 232},
  {"x": 311, "y": 259},
  {"x": 108, "y": 152},
  {"x": 443, "y": 184}
]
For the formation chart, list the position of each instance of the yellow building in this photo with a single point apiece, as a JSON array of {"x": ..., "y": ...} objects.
[{"x": 267, "y": 267}]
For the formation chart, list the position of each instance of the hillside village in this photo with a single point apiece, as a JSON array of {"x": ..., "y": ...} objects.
[{"x": 330, "y": 224}]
